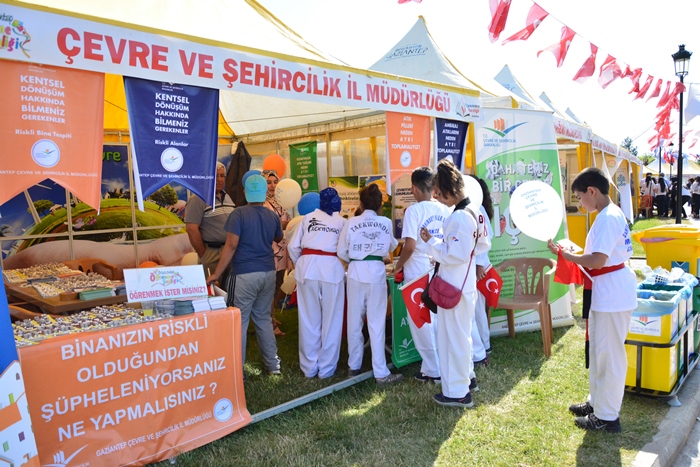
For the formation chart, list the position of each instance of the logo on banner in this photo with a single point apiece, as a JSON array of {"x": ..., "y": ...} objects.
[
  {"x": 621, "y": 180},
  {"x": 405, "y": 158},
  {"x": 172, "y": 159},
  {"x": 467, "y": 110},
  {"x": 223, "y": 409},
  {"x": 165, "y": 278},
  {"x": 499, "y": 127},
  {"x": 46, "y": 153},
  {"x": 408, "y": 51},
  {"x": 61, "y": 460},
  {"x": 14, "y": 36}
]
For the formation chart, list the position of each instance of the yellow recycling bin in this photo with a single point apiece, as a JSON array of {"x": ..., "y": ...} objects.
[{"x": 670, "y": 246}]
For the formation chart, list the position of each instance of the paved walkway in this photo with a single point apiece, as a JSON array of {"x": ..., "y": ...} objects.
[{"x": 674, "y": 431}]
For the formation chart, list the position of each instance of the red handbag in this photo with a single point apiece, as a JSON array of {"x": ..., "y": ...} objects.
[{"x": 444, "y": 294}]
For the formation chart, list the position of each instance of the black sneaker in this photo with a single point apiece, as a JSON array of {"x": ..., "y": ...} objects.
[
  {"x": 484, "y": 362},
  {"x": 473, "y": 387},
  {"x": 488, "y": 351},
  {"x": 593, "y": 423},
  {"x": 582, "y": 409},
  {"x": 426, "y": 379},
  {"x": 352, "y": 373},
  {"x": 463, "y": 402}
]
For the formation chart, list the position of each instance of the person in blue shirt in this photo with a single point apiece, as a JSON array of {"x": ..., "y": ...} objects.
[{"x": 251, "y": 229}]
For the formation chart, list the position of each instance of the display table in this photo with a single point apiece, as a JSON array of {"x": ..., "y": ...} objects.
[
  {"x": 136, "y": 394},
  {"x": 55, "y": 305}
]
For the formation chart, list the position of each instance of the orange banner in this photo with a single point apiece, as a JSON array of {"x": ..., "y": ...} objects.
[
  {"x": 136, "y": 394},
  {"x": 407, "y": 143},
  {"x": 52, "y": 127}
]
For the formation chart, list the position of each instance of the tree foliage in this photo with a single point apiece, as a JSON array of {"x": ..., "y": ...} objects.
[
  {"x": 41, "y": 205},
  {"x": 627, "y": 144},
  {"x": 165, "y": 196}
]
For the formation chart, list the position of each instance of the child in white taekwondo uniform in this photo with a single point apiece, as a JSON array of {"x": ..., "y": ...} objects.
[
  {"x": 613, "y": 298},
  {"x": 455, "y": 253},
  {"x": 364, "y": 242},
  {"x": 481, "y": 334},
  {"x": 320, "y": 277},
  {"x": 414, "y": 262}
]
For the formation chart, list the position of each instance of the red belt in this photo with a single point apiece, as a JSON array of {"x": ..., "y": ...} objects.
[
  {"x": 309, "y": 251},
  {"x": 587, "y": 283}
]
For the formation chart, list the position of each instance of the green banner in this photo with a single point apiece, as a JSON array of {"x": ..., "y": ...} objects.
[
  {"x": 513, "y": 147},
  {"x": 303, "y": 165},
  {"x": 403, "y": 350}
]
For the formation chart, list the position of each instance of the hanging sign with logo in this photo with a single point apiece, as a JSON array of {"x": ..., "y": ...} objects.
[
  {"x": 450, "y": 139},
  {"x": 407, "y": 144},
  {"x": 173, "y": 136},
  {"x": 303, "y": 166},
  {"x": 52, "y": 127}
]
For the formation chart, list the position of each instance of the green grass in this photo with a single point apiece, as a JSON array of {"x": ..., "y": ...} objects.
[{"x": 520, "y": 416}]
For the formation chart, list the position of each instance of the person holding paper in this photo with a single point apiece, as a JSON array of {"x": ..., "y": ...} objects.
[
  {"x": 320, "y": 277},
  {"x": 205, "y": 224},
  {"x": 414, "y": 262},
  {"x": 251, "y": 229},
  {"x": 455, "y": 253},
  {"x": 364, "y": 242},
  {"x": 612, "y": 299}
]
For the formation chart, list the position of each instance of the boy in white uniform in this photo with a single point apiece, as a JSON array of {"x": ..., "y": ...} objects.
[
  {"x": 613, "y": 298},
  {"x": 415, "y": 262},
  {"x": 320, "y": 280},
  {"x": 364, "y": 242}
]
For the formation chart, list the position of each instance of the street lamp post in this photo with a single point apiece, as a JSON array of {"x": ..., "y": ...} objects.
[{"x": 681, "y": 62}]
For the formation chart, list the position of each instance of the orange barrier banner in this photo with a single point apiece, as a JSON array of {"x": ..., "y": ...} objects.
[
  {"x": 407, "y": 144},
  {"x": 136, "y": 394},
  {"x": 52, "y": 127}
]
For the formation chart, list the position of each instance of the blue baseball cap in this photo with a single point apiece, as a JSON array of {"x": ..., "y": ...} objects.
[{"x": 255, "y": 189}]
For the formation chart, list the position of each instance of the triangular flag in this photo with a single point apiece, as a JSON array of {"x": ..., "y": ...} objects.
[
  {"x": 498, "y": 21},
  {"x": 534, "y": 18},
  {"x": 645, "y": 88},
  {"x": 665, "y": 96},
  {"x": 560, "y": 48},
  {"x": 692, "y": 107},
  {"x": 609, "y": 72},
  {"x": 656, "y": 91},
  {"x": 588, "y": 67}
]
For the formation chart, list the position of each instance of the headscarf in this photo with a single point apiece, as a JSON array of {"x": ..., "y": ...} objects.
[
  {"x": 330, "y": 201},
  {"x": 271, "y": 197}
]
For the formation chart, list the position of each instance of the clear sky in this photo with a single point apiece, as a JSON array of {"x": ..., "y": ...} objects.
[{"x": 642, "y": 33}]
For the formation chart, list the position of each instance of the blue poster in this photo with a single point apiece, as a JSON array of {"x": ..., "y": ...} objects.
[
  {"x": 450, "y": 137},
  {"x": 8, "y": 351},
  {"x": 173, "y": 136}
]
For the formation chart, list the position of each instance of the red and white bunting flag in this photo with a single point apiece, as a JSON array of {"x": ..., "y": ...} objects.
[
  {"x": 414, "y": 305},
  {"x": 560, "y": 48},
  {"x": 665, "y": 96},
  {"x": 490, "y": 287},
  {"x": 567, "y": 272},
  {"x": 609, "y": 72},
  {"x": 634, "y": 75},
  {"x": 656, "y": 91},
  {"x": 588, "y": 67},
  {"x": 645, "y": 88},
  {"x": 498, "y": 21},
  {"x": 534, "y": 17}
]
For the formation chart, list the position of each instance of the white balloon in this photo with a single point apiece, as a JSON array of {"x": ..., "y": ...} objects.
[
  {"x": 537, "y": 210},
  {"x": 472, "y": 189},
  {"x": 288, "y": 193}
]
